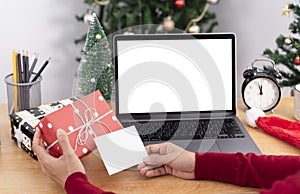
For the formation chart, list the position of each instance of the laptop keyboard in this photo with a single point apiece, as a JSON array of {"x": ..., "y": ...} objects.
[{"x": 186, "y": 129}]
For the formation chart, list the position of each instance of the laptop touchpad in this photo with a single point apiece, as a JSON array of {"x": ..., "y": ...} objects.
[{"x": 198, "y": 145}]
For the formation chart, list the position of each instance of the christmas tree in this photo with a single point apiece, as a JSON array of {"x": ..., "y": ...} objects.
[
  {"x": 186, "y": 15},
  {"x": 288, "y": 49},
  {"x": 95, "y": 70}
]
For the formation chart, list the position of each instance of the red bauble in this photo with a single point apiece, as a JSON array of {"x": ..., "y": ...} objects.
[
  {"x": 179, "y": 3},
  {"x": 297, "y": 60}
]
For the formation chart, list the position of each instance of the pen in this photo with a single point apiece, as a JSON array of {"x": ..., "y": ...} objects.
[
  {"x": 19, "y": 68},
  {"x": 19, "y": 78},
  {"x": 25, "y": 68},
  {"x": 23, "y": 62},
  {"x": 26, "y": 97}
]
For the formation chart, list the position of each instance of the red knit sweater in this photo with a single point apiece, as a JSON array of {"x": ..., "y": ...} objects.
[{"x": 273, "y": 174}]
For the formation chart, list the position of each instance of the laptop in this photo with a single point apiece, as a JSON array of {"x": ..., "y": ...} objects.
[{"x": 180, "y": 88}]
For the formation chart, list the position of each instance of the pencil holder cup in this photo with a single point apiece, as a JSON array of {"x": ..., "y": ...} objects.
[{"x": 22, "y": 96}]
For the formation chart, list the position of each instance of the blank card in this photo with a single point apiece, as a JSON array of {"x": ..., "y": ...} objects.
[{"x": 121, "y": 149}]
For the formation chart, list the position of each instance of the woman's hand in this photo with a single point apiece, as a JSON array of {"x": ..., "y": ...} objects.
[
  {"x": 57, "y": 169},
  {"x": 167, "y": 158}
]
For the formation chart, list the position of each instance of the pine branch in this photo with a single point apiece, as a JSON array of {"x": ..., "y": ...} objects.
[
  {"x": 89, "y": 2},
  {"x": 286, "y": 52},
  {"x": 81, "y": 39},
  {"x": 212, "y": 26},
  {"x": 79, "y": 18}
]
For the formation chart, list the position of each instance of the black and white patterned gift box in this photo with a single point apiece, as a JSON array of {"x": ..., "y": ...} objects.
[{"x": 23, "y": 123}]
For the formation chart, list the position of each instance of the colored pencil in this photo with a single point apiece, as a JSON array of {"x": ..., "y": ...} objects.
[
  {"x": 35, "y": 56},
  {"x": 15, "y": 79},
  {"x": 20, "y": 80},
  {"x": 41, "y": 70},
  {"x": 19, "y": 67},
  {"x": 25, "y": 68},
  {"x": 26, "y": 80}
]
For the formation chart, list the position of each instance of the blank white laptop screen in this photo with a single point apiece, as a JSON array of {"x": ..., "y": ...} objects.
[{"x": 156, "y": 76}]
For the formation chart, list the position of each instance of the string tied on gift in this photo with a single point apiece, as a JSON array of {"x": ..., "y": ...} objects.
[{"x": 89, "y": 118}]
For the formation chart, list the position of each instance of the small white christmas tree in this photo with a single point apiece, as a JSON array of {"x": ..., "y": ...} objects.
[{"x": 95, "y": 70}]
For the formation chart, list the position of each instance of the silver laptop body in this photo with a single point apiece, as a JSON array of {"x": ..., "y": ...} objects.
[{"x": 170, "y": 85}]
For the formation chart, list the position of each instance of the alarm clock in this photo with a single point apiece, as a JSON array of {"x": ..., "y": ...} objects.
[{"x": 260, "y": 88}]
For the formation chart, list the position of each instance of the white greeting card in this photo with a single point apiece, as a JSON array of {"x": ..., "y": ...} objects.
[{"x": 121, "y": 149}]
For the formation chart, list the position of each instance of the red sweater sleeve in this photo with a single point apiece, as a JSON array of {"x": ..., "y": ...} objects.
[
  {"x": 245, "y": 170},
  {"x": 290, "y": 185},
  {"x": 77, "y": 183}
]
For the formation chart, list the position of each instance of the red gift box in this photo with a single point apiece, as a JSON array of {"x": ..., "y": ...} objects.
[{"x": 85, "y": 119}]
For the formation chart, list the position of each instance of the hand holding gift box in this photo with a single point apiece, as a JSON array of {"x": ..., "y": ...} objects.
[
  {"x": 23, "y": 123},
  {"x": 85, "y": 119},
  {"x": 90, "y": 122}
]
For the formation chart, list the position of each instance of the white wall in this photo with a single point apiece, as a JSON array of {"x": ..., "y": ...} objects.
[
  {"x": 49, "y": 27},
  {"x": 257, "y": 23}
]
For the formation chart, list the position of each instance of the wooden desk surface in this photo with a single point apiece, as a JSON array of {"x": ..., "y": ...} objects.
[{"x": 19, "y": 173}]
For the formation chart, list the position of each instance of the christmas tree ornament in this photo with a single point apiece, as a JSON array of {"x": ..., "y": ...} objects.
[
  {"x": 106, "y": 46},
  {"x": 286, "y": 10},
  {"x": 168, "y": 24},
  {"x": 297, "y": 60},
  {"x": 102, "y": 2},
  {"x": 198, "y": 19},
  {"x": 98, "y": 37},
  {"x": 288, "y": 40},
  {"x": 212, "y": 1},
  {"x": 283, "y": 129},
  {"x": 128, "y": 32},
  {"x": 88, "y": 18},
  {"x": 179, "y": 3},
  {"x": 95, "y": 69},
  {"x": 93, "y": 80},
  {"x": 194, "y": 29}
]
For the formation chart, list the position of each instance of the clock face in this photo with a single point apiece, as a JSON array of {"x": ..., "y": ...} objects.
[{"x": 261, "y": 92}]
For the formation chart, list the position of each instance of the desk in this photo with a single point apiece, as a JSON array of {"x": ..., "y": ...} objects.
[{"x": 19, "y": 173}]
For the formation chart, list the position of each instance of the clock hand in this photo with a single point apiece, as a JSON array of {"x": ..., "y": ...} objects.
[{"x": 260, "y": 89}]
